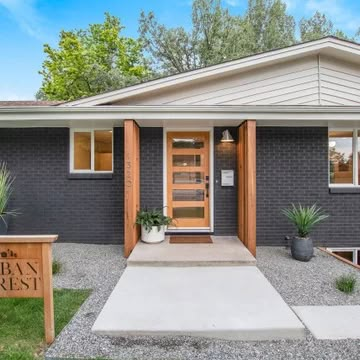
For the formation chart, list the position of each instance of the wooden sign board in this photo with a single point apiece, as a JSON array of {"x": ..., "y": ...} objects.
[{"x": 26, "y": 272}]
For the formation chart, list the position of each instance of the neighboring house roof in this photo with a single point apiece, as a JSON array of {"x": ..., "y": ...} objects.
[
  {"x": 29, "y": 103},
  {"x": 319, "y": 72}
]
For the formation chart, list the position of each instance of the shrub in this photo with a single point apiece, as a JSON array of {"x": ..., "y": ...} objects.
[
  {"x": 6, "y": 188},
  {"x": 56, "y": 267},
  {"x": 346, "y": 283}
]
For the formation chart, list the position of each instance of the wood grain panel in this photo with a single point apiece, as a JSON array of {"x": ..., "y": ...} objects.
[
  {"x": 131, "y": 184},
  {"x": 188, "y": 222},
  {"x": 247, "y": 185}
]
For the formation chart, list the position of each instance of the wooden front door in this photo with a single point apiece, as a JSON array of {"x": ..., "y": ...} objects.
[{"x": 188, "y": 179}]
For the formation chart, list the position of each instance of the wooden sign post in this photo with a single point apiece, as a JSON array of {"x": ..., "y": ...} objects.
[{"x": 26, "y": 272}]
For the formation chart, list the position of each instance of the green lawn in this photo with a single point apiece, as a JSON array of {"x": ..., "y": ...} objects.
[{"x": 21, "y": 323}]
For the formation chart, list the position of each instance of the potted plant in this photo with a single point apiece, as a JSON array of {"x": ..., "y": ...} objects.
[
  {"x": 304, "y": 218},
  {"x": 6, "y": 182},
  {"x": 153, "y": 225}
]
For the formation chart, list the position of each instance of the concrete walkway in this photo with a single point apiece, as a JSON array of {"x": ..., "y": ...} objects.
[
  {"x": 331, "y": 322},
  {"x": 224, "y": 251},
  {"x": 231, "y": 300}
]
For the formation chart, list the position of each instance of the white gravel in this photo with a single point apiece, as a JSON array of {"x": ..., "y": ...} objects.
[{"x": 100, "y": 266}]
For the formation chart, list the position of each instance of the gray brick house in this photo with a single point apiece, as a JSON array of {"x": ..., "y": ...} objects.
[{"x": 84, "y": 167}]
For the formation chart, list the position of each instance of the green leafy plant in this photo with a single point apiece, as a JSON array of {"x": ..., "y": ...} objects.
[
  {"x": 56, "y": 267},
  {"x": 346, "y": 283},
  {"x": 152, "y": 217},
  {"x": 304, "y": 217},
  {"x": 6, "y": 188}
]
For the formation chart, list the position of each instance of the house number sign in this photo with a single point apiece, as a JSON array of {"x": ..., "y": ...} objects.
[{"x": 26, "y": 272}]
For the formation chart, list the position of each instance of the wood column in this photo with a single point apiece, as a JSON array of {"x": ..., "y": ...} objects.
[
  {"x": 131, "y": 184},
  {"x": 247, "y": 185}
]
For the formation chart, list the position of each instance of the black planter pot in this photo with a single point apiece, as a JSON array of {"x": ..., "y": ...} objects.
[
  {"x": 302, "y": 249},
  {"x": 4, "y": 220}
]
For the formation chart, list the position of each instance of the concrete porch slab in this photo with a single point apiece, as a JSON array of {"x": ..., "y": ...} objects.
[
  {"x": 225, "y": 302},
  {"x": 225, "y": 250},
  {"x": 331, "y": 322}
]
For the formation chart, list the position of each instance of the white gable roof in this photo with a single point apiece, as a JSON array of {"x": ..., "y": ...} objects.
[{"x": 321, "y": 72}]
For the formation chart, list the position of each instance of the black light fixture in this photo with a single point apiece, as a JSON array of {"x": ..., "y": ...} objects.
[{"x": 226, "y": 136}]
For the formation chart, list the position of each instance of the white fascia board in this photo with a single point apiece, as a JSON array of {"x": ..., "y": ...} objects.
[
  {"x": 170, "y": 113},
  {"x": 223, "y": 69}
]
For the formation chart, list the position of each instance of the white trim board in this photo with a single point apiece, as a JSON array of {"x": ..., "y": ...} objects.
[{"x": 212, "y": 174}]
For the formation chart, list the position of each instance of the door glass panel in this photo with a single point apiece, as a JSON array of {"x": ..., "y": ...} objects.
[
  {"x": 190, "y": 143},
  {"x": 341, "y": 157},
  {"x": 188, "y": 195},
  {"x": 82, "y": 151},
  {"x": 186, "y": 160},
  {"x": 188, "y": 178},
  {"x": 188, "y": 212}
]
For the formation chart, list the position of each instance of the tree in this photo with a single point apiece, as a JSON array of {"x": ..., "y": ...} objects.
[
  {"x": 269, "y": 26},
  {"x": 317, "y": 27},
  {"x": 216, "y": 35},
  {"x": 91, "y": 61}
]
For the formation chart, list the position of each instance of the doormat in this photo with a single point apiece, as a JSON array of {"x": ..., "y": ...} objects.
[{"x": 190, "y": 239}]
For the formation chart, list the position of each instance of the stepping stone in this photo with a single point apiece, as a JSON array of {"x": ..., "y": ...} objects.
[
  {"x": 331, "y": 322},
  {"x": 225, "y": 302}
]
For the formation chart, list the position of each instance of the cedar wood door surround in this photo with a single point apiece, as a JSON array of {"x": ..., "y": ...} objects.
[
  {"x": 246, "y": 184},
  {"x": 131, "y": 184}
]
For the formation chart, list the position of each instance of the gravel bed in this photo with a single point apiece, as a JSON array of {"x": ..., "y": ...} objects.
[
  {"x": 99, "y": 267},
  {"x": 307, "y": 283}
]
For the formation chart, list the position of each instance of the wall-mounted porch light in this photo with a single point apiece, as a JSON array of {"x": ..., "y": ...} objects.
[{"x": 226, "y": 136}]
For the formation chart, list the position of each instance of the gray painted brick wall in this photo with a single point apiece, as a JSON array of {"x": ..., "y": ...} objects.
[
  {"x": 151, "y": 167},
  {"x": 292, "y": 166},
  {"x": 225, "y": 197},
  {"x": 89, "y": 211}
]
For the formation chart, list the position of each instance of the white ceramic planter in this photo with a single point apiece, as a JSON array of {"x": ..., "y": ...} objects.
[{"x": 154, "y": 236}]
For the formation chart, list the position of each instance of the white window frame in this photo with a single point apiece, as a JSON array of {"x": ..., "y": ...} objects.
[
  {"x": 354, "y": 250},
  {"x": 92, "y": 132},
  {"x": 355, "y": 149}
]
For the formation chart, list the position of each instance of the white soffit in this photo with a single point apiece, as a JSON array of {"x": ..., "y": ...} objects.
[{"x": 333, "y": 47}]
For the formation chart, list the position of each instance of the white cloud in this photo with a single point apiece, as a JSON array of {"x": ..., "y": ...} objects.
[
  {"x": 232, "y": 2},
  {"x": 338, "y": 11},
  {"x": 24, "y": 12}
]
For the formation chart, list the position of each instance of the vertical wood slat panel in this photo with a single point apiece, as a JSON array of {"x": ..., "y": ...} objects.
[
  {"x": 131, "y": 184},
  {"x": 247, "y": 185},
  {"x": 241, "y": 186}
]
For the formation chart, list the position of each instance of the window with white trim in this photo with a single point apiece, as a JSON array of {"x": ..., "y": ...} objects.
[
  {"x": 344, "y": 157},
  {"x": 91, "y": 150}
]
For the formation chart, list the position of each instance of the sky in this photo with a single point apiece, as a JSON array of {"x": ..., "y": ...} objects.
[{"x": 25, "y": 25}]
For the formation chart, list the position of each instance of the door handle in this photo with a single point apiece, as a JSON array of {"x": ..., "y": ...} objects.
[{"x": 207, "y": 186}]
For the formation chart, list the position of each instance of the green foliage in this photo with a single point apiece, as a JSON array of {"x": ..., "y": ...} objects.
[
  {"x": 304, "y": 218},
  {"x": 346, "y": 283},
  {"x": 6, "y": 189},
  {"x": 269, "y": 26},
  {"x": 317, "y": 27},
  {"x": 91, "y": 61},
  {"x": 152, "y": 217},
  {"x": 21, "y": 323},
  {"x": 56, "y": 267},
  {"x": 216, "y": 35}
]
